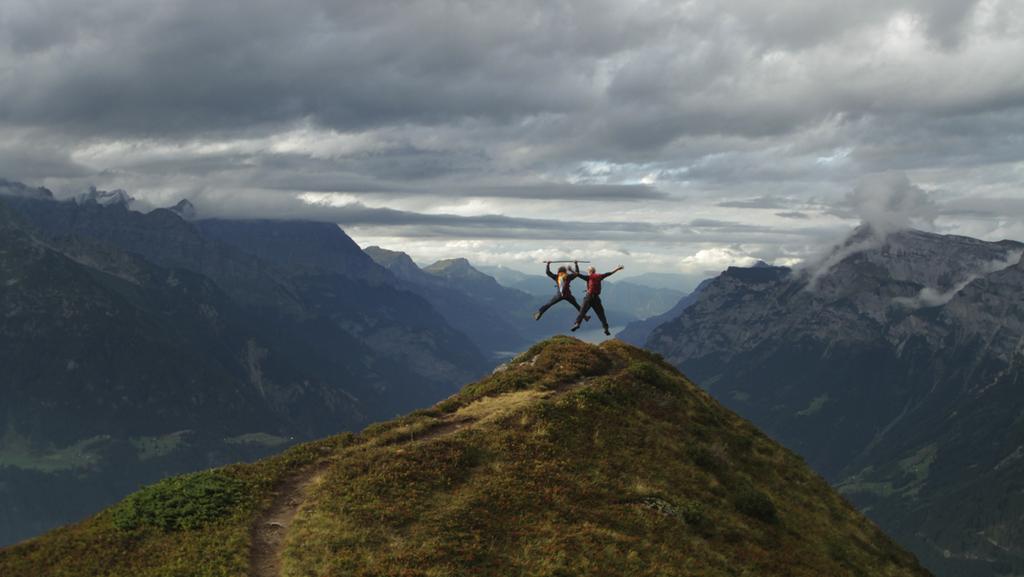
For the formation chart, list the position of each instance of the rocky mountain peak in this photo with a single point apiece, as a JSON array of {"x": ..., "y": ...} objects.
[
  {"x": 927, "y": 260},
  {"x": 116, "y": 197},
  {"x": 184, "y": 209},
  {"x": 398, "y": 262},
  {"x": 386, "y": 257}
]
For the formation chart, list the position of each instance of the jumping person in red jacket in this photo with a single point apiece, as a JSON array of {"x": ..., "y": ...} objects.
[
  {"x": 593, "y": 298},
  {"x": 562, "y": 290}
]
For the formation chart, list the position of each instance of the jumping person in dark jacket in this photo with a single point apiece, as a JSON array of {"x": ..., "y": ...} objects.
[
  {"x": 562, "y": 290},
  {"x": 593, "y": 298}
]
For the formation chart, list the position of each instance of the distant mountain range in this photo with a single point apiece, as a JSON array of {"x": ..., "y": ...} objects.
[
  {"x": 637, "y": 332},
  {"x": 572, "y": 459},
  {"x": 139, "y": 345},
  {"x": 498, "y": 314},
  {"x": 894, "y": 366},
  {"x": 685, "y": 283},
  {"x": 678, "y": 282},
  {"x": 626, "y": 301},
  {"x": 487, "y": 325}
]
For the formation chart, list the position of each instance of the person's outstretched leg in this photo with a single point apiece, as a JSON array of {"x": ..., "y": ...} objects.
[
  {"x": 576, "y": 305},
  {"x": 583, "y": 313},
  {"x": 599, "y": 309},
  {"x": 554, "y": 300}
]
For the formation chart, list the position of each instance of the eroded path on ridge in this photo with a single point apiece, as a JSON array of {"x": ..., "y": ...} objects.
[
  {"x": 270, "y": 530},
  {"x": 271, "y": 527}
]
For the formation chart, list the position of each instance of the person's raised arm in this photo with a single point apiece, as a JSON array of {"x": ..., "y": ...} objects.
[
  {"x": 585, "y": 277},
  {"x": 547, "y": 269},
  {"x": 576, "y": 271},
  {"x": 617, "y": 269}
]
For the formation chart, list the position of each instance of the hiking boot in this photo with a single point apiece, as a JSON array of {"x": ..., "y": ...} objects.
[
  {"x": 607, "y": 332},
  {"x": 574, "y": 327}
]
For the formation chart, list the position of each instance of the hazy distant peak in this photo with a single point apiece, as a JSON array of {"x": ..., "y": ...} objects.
[
  {"x": 396, "y": 261},
  {"x": 461, "y": 271},
  {"x": 451, "y": 264},
  {"x": 10, "y": 188},
  {"x": 116, "y": 197},
  {"x": 184, "y": 209},
  {"x": 454, "y": 267},
  {"x": 385, "y": 256}
]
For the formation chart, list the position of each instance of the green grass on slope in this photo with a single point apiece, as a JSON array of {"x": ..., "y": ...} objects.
[
  {"x": 619, "y": 466},
  {"x": 191, "y": 525},
  {"x": 574, "y": 460}
]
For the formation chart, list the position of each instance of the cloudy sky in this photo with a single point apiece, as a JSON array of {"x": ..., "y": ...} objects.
[{"x": 677, "y": 136}]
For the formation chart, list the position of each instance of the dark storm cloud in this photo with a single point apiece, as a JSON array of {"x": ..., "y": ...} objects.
[
  {"x": 738, "y": 106},
  {"x": 759, "y": 202},
  {"x": 964, "y": 138},
  {"x": 33, "y": 155},
  {"x": 34, "y": 164},
  {"x": 449, "y": 225},
  {"x": 300, "y": 173},
  {"x": 605, "y": 192},
  {"x": 194, "y": 66},
  {"x": 793, "y": 214},
  {"x": 491, "y": 226},
  {"x": 188, "y": 67},
  {"x": 726, "y": 226},
  {"x": 1009, "y": 207}
]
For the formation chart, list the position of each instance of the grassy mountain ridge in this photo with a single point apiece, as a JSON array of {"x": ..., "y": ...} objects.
[{"x": 573, "y": 459}]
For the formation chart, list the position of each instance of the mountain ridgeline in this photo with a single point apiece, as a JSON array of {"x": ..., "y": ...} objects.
[
  {"x": 894, "y": 367},
  {"x": 497, "y": 311},
  {"x": 629, "y": 300},
  {"x": 488, "y": 325},
  {"x": 572, "y": 459},
  {"x": 140, "y": 345}
]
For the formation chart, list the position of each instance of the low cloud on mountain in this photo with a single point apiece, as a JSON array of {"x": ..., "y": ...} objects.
[{"x": 890, "y": 202}]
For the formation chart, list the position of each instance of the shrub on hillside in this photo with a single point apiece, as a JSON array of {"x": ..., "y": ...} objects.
[
  {"x": 185, "y": 502},
  {"x": 754, "y": 503}
]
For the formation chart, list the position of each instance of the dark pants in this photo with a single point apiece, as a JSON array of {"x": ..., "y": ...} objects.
[
  {"x": 592, "y": 302},
  {"x": 557, "y": 299}
]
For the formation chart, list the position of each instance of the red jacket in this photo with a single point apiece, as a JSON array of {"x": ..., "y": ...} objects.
[{"x": 593, "y": 282}]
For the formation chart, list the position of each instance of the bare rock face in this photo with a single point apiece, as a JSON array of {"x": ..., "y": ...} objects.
[{"x": 893, "y": 366}]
